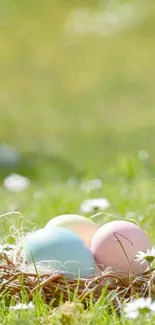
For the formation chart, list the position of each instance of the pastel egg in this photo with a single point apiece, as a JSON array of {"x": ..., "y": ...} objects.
[
  {"x": 65, "y": 249},
  {"x": 82, "y": 226},
  {"x": 116, "y": 244}
]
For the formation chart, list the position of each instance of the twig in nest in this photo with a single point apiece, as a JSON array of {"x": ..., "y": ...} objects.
[
  {"x": 129, "y": 270},
  {"x": 53, "y": 286}
]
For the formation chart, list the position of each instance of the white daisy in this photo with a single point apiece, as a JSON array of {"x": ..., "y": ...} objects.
[
  {"x": 22, "y": 306},
  {"x": 130, "y": 215},
  {"x": 147, "y": 256},
  {"x": 16, "y": 183},
  {"x": 7, "y": 247},
  {"x": 89, "y": 206},
  {"x": 94, "y": 184},
  {"x": 143, "y": 155},
  {"x": 104, "y": 23},
  {"x": 138, "y": 307}
]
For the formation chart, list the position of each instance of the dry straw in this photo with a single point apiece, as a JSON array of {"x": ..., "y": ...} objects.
[
  {"x": 55, "y": 286},
  {"x": 15, "y": 275}
]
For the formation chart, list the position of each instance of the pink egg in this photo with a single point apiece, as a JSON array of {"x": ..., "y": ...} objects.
[{"x": 114, "y": 240}]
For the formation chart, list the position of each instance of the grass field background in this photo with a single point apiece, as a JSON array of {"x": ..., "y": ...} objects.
[{"x": 78, "y": 102}]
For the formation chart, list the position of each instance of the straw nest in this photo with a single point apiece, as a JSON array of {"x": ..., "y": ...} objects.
[{"x": 13, "y": 279}]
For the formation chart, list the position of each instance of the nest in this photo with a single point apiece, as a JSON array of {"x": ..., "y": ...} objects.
[{"x": 54, "y": 287}]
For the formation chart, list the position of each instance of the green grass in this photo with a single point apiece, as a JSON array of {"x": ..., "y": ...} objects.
[{"x": 76, "y": 106}]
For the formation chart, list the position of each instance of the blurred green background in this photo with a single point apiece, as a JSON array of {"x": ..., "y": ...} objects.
[{"x": 77, "y": 100}]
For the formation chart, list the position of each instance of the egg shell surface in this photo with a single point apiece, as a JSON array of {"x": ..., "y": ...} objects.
[
  {"x": 67, "y": 250},
  {"x": 108, "y": 251},
  {"x": 82, "y": 226}
]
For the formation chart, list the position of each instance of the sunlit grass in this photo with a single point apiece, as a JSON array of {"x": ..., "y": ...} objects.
[{"x": 78, "y": 106}]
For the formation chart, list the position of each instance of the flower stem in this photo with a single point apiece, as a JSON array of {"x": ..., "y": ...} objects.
[{"x": 150, "y": 278}]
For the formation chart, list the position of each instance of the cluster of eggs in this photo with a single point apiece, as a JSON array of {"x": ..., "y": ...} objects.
[{"x": 76, "y": 245}]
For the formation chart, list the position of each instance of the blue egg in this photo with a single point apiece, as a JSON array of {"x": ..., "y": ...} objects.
[{"x": 66, "y": 249}]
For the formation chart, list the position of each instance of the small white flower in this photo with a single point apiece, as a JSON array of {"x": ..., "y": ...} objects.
[
  {"x": 91, "y": 205},
  {"x": 130, "y": 215},
  {"x": 37, "y": 195},
  {"x": 132, "y": 314},
  {"x": 91, "y": 185},
  {"x": 141, "y": 218},
  {"x": 71, "y": 181},
  {"x": 147, "y": 256},
  {"x": 22, "y": 306},
  {"x": 104, "y": 23},
  {"x": 143, "y": 155},
  {"x": 138, "y": 307},
  {"x": 7, "y": 247},
  {"x": 16, "y": 183},
  {"x": 151, "y": 206},
  {"x": 124, "y": 191}
]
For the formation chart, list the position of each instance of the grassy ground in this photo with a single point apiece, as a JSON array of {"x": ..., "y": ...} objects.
[{"x": 77, "y": 106}]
